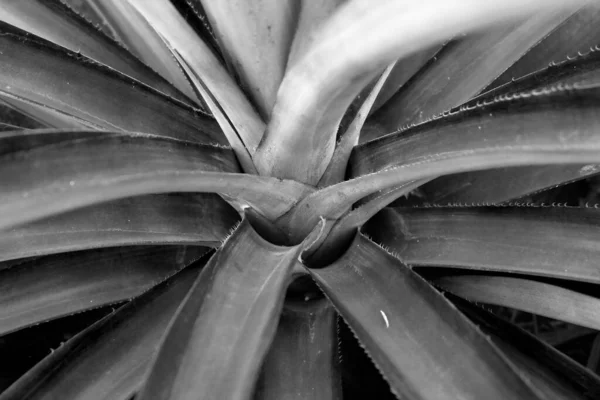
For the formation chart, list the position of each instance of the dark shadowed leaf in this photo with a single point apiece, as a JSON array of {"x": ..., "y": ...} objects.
[
  {"x": 216, "y": 343},
  {"x": 400, "y": 318},
  {"x": 303, "y": 361},
  {"x": 68, "y": 82},
  {"x": 549, "y": 369},
  {"x": 54, "y": 286},
  {"x": 504, "y": 184},
  {"x": 194, "y": 219},
  {"x": 500, "y": 185},
  {"x": 56, "y": 22},
  {"x": 463, "y": 68},
  {"x": 552, "y": 242},
  {"x": 109, "y": 360},
  {"x": 575, "y": 35},
  {"x": 526, "y": 295}
]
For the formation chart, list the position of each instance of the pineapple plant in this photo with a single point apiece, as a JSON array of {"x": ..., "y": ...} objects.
[{"x": 295, "y": 199}]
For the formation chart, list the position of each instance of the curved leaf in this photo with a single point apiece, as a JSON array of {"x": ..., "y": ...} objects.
[
  {"x": 171, "y": 26},
  {"x": 47, "y": 172},
  {"x": 55, "y": 286},
  {"x": 399, "y": 318},
  {"x": 193, "y": 219},
  {"x": 50, "y": 76},
  {"x": 216, "y": 342},
  {"x": 535, "y": 297},
  {"x": 110, "y": 359},
  {"x": 552, "y": 242},
  {"x": 56, "y": 22}
]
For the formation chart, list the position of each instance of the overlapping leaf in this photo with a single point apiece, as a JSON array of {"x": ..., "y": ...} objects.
[{"x": 400, "y": 319}]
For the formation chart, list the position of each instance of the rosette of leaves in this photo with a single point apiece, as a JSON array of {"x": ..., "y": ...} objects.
[{"x": 226, "y": 174}]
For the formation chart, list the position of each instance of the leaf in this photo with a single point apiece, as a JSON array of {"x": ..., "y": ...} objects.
[
  {"x": 57, "y": 23},
  {"x": 314, "y": 95},
  {"x": 50, "y": 76},
  {"x": 400, "y": 318},
  {"x": 500, "y": 185},
  {"x": 577, "y": 34},
  {"x": 336, "y": 170},
  {"x": 302, "y": 362},
  {"x": 216, "y": 342},
  {"x": 47, "y": 172},
  {"x": 255, "y": 38},
  {"x": 11, "y": 119},
  {"x": 464, "y": 67},
  {"x": 171, "y": 26},
  {"x": 192, "y": 219},
  {"x": 544, "y": 241},
  {"x": 59, "y": 285},
  {"x": 545, "y": 365},
  {"x": 110, "y": 359},
  {"x": 402, "y": 72},
  {"x": 527, "y": 295}
]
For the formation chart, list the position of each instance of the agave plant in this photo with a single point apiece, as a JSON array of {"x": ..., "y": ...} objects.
[{"x": 229, "y": 176}]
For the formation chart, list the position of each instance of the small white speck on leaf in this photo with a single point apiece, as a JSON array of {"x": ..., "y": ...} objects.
[
  {"x": 72, "y": 183},
  {"x": 387, "y": 323}
]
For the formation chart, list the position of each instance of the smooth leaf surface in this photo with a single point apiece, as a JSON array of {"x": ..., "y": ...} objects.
[
  {"x": 51, "y": 76},
  {"x": 56, "y": 22},
  {"x": 110, "y": 359},
  {"x": 464, "y": 67},
  {"x": 535, "y": 297},
  {"x": 399, "y": 318},
  {"x": 549, "y": 369},
  {"x": 223, "y": 330},
  {"x": 551, "y": 242},
  {"x": 303, "y": 361},
  {"x": 59, "y": 285},
  {"x": 193, "y": 219}
]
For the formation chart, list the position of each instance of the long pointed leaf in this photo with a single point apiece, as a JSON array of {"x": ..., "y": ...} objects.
[
  {"x": 56, "y": 22},
  {"x": 194, "y": 219},
  {"x": 303, "y": 361},
  {"x": 400, "y": 318},
  {"x": 68, "y": 82},
  {"x": 47, "y": 172},
  {"x": 110, "y": 359},
  {"x": 552, "y": 242},
  {"x": 54, "y": 286},
  {"x": 120, "y": 20},
  {"x": 216, "y": 343},
  {"x": 535, "y": 297},
  {"x": 171, "y": 26}
]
